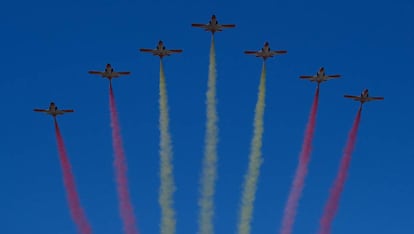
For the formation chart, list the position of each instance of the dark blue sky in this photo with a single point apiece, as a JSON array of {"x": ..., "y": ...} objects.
[{"x": 47, "y": 47}]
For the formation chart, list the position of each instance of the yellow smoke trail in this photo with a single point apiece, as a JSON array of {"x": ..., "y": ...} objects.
[
  {"x": 209, "y": 175},
  {"x": 167, "y": 186},
  {"x": 252, "y": 175}
]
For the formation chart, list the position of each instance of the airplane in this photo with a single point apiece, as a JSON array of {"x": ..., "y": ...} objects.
[
  {"x": 320, "y": 76},
  {"x": 266, "y": 52},
  {"x": 213, "y": 25},
  {"x": 160, "y": 50},
  {"x": 364, "y": 97},
  {"x": 109, "y": 72},
  {"x": 53, "y": 110}
]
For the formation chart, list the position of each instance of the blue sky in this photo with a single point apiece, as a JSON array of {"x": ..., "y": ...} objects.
[{"x": 48, "y": 47}]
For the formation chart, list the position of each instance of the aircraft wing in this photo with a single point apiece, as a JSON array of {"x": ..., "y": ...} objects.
[
  {"x": 228, "y": 25},
  {"x": 95, "y": 72},
  {"x": 306, "y": 77},
  {"x": 374, "y": 98},
  {"x": 67, "y": 111},
  {"x": 199, "y": 25},
  {"x": 356, "y": 98},
  {"x": 250, "y": 52},
  {"x": 176, "y": 51},
  {"x": 173, "y": 51},
  {"x": 275, "y": 52},
  {"x": 333, "y": 76},
  {"x": 40, "y": 110},
  {"x": 147, "y": 50},
  {"x": 124, "y": 73}
]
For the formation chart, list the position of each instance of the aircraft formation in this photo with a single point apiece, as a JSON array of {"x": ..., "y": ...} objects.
[{"x": 213, "y": 26}]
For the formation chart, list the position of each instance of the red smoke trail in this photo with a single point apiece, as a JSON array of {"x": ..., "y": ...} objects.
[
  {"x": 76, "y": 209},
  {"x": 301, "y": 171},
  {"x": 126, "y": 210},
  {"x": 332, "y": 204}
]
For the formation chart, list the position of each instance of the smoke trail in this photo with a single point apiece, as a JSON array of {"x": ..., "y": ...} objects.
[
  {"x": 126, "y": 210},
  {"x": 167, "y": 186},
  {"x": 301, "y": 171},
  {"x": 250, "y": 180},
  {"x": 76, "y": 209},
  {"x": 209, "y": 175},
  {"x": 332, "y": 204}
]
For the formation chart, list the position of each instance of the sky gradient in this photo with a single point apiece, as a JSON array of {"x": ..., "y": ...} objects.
[{"x": 48, "y": 47}]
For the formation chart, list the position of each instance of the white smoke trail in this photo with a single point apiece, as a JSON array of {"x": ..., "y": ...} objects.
[
  {"x": 209, "y": 175},
  {"x": 167, "y": 186},
  {"x": 252, "y": 175}
]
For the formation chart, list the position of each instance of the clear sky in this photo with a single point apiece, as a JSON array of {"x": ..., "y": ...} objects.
[{"x": 47, "y": 47}]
